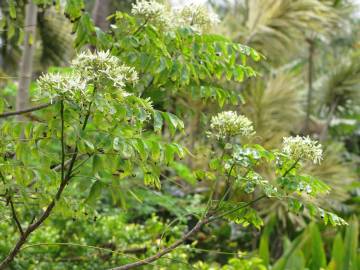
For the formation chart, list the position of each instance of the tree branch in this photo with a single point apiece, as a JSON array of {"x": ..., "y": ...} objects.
[
  {"x": 32, "y": 109},
  {"x": 195, "y": 229},
  {"x": 213, "y": 218},
  {"x": 15, "y": 216},
  {"x": 165, "y": 251},
  {"x": 205, "y": 220},
  {"x": 36, "y": 224}
]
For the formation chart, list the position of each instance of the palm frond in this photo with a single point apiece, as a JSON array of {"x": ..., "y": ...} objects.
[
  {"x": 56, "y": 38},
  {"x": 274, "y": 105},
  {"x": 336, "y": 172},
  {"x": 275, "y": 26},
  {"x": 341, "y": 87}
]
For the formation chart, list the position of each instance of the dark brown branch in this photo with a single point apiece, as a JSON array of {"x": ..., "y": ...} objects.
[
  {"x": 32, "y": 109},
  {"x": 15, "y": 216}
]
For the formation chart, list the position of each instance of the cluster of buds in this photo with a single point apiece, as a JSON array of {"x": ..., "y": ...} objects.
[
  {"x": 302, "y": 148},
  {"x": 199, "y": 18},
  {"x": 152, "y": 11},
  {"x": 88, "y": 69},
  {"x": 102, "y": 66},
  {"x": 228, "y": 124},
  {"x": 71, "y": 86}
]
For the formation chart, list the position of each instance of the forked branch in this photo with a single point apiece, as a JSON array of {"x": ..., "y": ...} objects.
[{"x": 35, "y": 224}]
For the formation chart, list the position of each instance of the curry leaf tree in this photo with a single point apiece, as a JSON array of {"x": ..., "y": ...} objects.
[{"x": 97, "y": 127}]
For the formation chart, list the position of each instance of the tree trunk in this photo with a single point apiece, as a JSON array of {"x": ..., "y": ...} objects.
[
  {"x": 26, "y": 64},
  {"x": 310, "y": 85},
  {"x": 100, "y": 12}
]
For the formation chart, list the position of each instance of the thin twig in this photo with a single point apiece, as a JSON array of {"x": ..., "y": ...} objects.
[
  {"x": 62, "y": 141},
  {"x": 32, "y": 109},
  {"x": 292, "y": 167},
  {"x": 229, "y": 187},
  {"x": 15, "y": 216},
  {"x": 213, "y": 218}
]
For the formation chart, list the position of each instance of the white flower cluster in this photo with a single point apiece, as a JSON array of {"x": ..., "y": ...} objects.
[
  {"x": 102, "y": 66},
  {"x": 70, "y": 85},
  {"x": 198, "y": 17},
  {"x": 229, "y": 123},
  {"x": 302, "y": 148},
  {"x": 152, "y": 10},
  {"x": 88, "y": 69}
]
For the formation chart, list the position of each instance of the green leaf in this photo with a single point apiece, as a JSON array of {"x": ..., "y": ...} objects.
[
  {"x": 169, "y": 154},
  {"x": 2, "y": 105},
  {"x": 90, "y": 146},
  {"x": 141, "y": 148},
  {"x": 184, "y": 173},
  {"x": 173, "y": 122},
  {"x": 264, "y": 251},
  {"x": 27, "y": 131},
  {"x": 244, "y": 215},
  {"x": 85, "y": 31},
  {"x": 155, "y": 150},
  {"x": 150, "y": 179},
  {"x": 337, "y": 254},
  {"x": 74, "y": 8},
  {"x": 97, "y": 164},
  {"x": 317, "y": 257},
  {"x": 158, "y": 121},
  {"x": 95, "y": 192},
  {"x": 12, "y": 9},
  {"x": 351, "y": 242},
  {"x": 255, "y": 55},
  {"x": 22, "y": 152},
  {"x": 290, "y": 250}
]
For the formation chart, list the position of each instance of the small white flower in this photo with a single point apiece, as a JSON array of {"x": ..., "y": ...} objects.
[
  {"x": 302, "y": 148},
  {"x": 229, "y": 123},
  {"x": 227, "y": 166},
  {"x": 308, "y": 189}
]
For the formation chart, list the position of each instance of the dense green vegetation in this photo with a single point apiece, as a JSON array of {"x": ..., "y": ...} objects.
[{"x": 138, "y": 135}]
